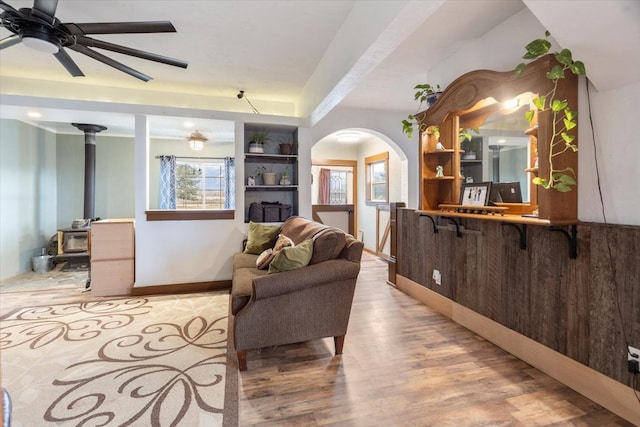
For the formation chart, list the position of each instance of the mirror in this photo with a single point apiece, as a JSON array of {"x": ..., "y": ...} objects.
[{"x": 500, "y": 151}]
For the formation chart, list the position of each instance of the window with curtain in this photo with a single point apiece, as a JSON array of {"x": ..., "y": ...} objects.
[
  {"x": 377, "y": 168},
  {"x": 332, "y": 187},
  {"x": 206, "y": 184}
]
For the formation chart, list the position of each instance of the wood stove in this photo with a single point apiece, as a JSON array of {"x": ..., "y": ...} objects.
[{"x": 73, "y": 247}]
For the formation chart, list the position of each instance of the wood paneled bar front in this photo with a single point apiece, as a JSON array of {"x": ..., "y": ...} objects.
[{"x": 586, "y": 309}]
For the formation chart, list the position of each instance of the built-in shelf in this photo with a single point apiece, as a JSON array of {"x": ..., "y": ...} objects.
[
  {"x": 444, "y": 178},
  {"x": 271, "y": 161},
  {"x": 446, "y": 151},
  {"x": 259, "y": 157},
  {"x": 271, "y": 187}
]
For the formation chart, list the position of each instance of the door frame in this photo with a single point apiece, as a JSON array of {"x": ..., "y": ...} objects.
[{"x": 349, "y": 163}]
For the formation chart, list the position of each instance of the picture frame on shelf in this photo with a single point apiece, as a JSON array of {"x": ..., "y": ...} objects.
[{"x": 475, "y": 194}]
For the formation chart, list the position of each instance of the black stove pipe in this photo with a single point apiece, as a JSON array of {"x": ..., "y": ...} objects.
[
  {"x": 496, "y": 161},
  {"x": 89, "y": 166}
]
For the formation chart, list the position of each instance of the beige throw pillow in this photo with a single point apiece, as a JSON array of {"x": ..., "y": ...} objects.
[{"x": 264, "y": 259}]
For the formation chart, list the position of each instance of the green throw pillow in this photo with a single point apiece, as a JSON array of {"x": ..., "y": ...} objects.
[
  {"x": 292, "y": 257},
  {"x": 261, "y": 237}
]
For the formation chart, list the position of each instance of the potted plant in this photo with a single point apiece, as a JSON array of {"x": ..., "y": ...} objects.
[
  {"x": 286, "y": 147},
  {"x": 427, "y": 94},
  {"x": 267, "y": 174},
  {"x": 564, "y": 118},
  {"x": 257, "y": 141},
  {"x": 285, "y": 178}
]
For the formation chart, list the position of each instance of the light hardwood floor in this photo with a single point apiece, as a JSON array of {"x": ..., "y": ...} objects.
[{"x": 403, "y": 365}]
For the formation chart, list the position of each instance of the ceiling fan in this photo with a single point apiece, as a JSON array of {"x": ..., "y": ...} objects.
[{"x": 40, "y": 29}]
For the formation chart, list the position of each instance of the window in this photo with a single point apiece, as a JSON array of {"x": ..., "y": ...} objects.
[
  {"x": 203, "y": 184},
  {"x": 377, "y": 178},
  {"x": 338, "y": 192}
]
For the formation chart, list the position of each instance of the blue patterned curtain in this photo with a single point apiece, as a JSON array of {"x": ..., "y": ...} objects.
[
  {"x": 230, "y": 183},
  {"x": 167, "y": 182}
]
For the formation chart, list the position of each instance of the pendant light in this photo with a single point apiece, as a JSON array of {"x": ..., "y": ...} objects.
[{"x": 196, "y": 141}]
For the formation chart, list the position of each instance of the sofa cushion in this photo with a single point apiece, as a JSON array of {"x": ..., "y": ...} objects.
[
  {"x": 328, "y": 243},
  {"x": 292, "y": 257},
  {"x": 242, "y": 260},
  {"x": 242, "y": 286},
  {"x": 261, "y": 237}
]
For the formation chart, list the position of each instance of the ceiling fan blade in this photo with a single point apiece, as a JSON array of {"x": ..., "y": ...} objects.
[
  {"x": 68, "y": 63},
  {"x": 9, "y": 41},
  {"x": 119, "y": 27},
  {"x": 90, "y": 42},
  {"x": 45, "y": 9},
  {"x": 111, "y": 62},
  {"x": 8, "y": 8}
]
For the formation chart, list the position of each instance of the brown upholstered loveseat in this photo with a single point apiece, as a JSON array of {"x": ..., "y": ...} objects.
[{"x": 300, "y": 305}]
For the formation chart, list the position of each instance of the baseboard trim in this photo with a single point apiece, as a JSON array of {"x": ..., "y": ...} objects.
[
  {"x": 181, "y": 288},
  {"x": 605, "y": 391}
]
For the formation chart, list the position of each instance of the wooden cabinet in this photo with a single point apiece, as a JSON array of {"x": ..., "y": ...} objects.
[
  {"x": 271, "y": 160},
  {"x": 466, "y": 103},
  {"x": 112, "y": 257}
]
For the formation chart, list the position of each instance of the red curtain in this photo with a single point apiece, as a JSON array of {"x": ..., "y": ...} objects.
[{"x": 324, "y": 196}]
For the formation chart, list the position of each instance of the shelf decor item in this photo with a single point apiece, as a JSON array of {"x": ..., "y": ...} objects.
[
  {"x": 257, "y": 141},
  {"x": 269, "y": 178},
  {"x": 286, "y": 148},
  {"x": 475, "y": 194},
  {"x": 285, "y": 178}
]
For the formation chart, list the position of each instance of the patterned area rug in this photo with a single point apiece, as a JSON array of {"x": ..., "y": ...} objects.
[{"x": 148, "y": 361}]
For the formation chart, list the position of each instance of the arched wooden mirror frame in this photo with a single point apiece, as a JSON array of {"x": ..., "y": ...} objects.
[{"x": 470, "y": 98}]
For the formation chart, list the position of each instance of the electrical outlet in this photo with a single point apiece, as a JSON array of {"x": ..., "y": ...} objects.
[
  {"x": 633, "y": 360},
  {"x": 437, "y": 277}
]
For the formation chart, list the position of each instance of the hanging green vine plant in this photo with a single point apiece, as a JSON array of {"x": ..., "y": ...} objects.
[
  {"x": 564, "y": 118},
  {"x": 426, "y": 94}
]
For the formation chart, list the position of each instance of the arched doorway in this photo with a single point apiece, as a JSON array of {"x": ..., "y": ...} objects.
[{"x": 341, "y": 158}]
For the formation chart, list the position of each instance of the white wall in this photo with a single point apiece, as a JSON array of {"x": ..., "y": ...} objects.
[
  {"x": 617, "y": 150},
  {"x": 28, "y": 188},
  {"x": 114, "y": 194},
  {"x": 170, "y": 252},
  {"x": 367, "y": 212}
]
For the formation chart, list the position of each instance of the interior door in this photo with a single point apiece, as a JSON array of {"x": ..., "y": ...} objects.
[{"x": 334, "y": 192}]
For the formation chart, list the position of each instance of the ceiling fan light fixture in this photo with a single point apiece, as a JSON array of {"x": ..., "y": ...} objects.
[
  {"x": 40, "y": 44},
  {"x": 196, "y": 141}
]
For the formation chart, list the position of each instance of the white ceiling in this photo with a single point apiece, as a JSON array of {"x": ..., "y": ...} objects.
[{"x": 298, "y": 58}]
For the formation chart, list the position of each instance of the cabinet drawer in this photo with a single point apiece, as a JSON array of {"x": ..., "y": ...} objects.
[
  {"x": 112, "y": 277},
  {"x": 112, "y": 240}
]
